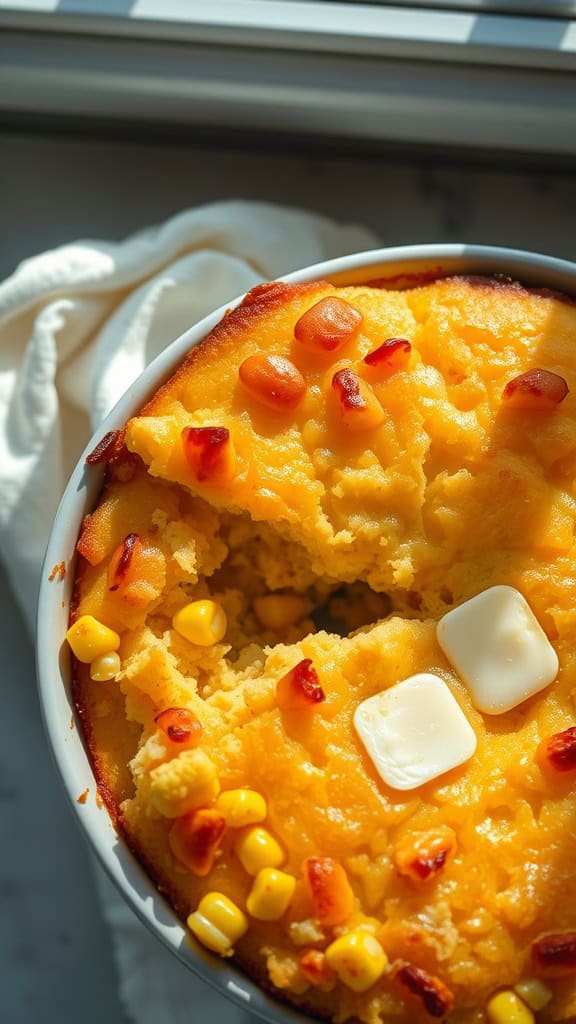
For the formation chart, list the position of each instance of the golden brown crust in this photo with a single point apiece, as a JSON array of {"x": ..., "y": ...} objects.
[
  {"x": 492, "y": 282},
  {"x": 502, "y": 283},
  {"x": 114, "y": 787},
  {"x": 261, "y": 300},
  {"x": 400, "y": 282},
  {"x": 256, "y": 305}
]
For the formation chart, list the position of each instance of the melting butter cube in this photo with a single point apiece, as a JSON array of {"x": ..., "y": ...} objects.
[
  {"x": 498, "y": 647},
  {"x": 414, "y": 731}
]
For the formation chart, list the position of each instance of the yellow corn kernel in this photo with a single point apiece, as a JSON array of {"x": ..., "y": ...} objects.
[
  {"x": 507, "y": 1008},
  {"x": 218, "y": 923},
  {"x": 358, "y": 959},
  {"x": 106, "y": 667},
  {"x": 209, "y": 935},
  {"x": 279, "y": 611},
  {"x": 184, "y": 783},
  {"x": 534, "y": 992},
  {"x": 90, "y": 639},
  {"x": 241, "y": 807},
  {"x": 258, "y": 849},
  {"x": 270, "y": 895},
  {"x": 201, "y": 622}
]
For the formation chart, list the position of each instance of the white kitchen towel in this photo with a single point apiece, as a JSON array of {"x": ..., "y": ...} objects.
[{"x": 77, "y": 326}]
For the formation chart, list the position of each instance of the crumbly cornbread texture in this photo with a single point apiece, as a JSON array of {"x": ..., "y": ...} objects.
[{"x": 380, "y": 531}]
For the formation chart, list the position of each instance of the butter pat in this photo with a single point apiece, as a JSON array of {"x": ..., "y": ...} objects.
[
  {"x": 498, "y": 647},
  {"x": 415, "y": 731}
]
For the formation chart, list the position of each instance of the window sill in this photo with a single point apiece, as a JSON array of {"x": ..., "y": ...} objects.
[{"x": 345, "y": 70}]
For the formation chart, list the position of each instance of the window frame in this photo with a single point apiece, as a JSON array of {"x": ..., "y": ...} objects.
[{"x": 386, "y": 73}]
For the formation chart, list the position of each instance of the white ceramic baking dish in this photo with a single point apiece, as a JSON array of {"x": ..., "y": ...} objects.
[{"x": 53, "y": 660}]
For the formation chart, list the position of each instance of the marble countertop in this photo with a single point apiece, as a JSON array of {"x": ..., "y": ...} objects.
[{"x": 54, "y": 950}]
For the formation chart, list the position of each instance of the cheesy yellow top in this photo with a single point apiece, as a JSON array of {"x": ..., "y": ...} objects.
[
  {"x": 414, "y": 500},
  {"x": 451, "y": 493}
]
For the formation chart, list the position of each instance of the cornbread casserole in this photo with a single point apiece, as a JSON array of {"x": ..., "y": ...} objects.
[{"x": 324, "y": 647}]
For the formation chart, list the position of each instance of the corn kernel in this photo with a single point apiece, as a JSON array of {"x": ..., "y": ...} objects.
[
  {"x": 90, "y": 639},
  {"x": 241, "y": 807},
  {"x": 507, "y": 1008},
  {"x": 271, "y": 894},
  {"x": 279, "y": 611},
  {"x": 273, "y": 381},
  {"x": 534, "y": 992},
  {"x": 358, "y": 959},
  {"x": 184, "y": 783},
  {"x": 224, "y": 915},
  {"x": 106, "y": 667},
  {"x": 218, "y": 923},
  {"x": 209, "y": 935},
  {"x": 258, "y": 849},
  {"x": 201, "y": 622}
]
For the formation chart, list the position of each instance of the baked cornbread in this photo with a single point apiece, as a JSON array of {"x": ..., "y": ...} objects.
[{"x": 324, "y": 647}]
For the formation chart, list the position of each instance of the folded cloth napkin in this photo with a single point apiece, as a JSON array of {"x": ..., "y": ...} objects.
[{"x": 77, "y": 326}]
